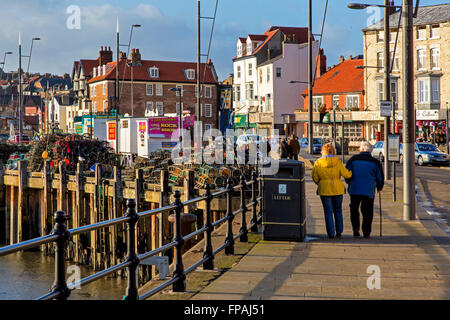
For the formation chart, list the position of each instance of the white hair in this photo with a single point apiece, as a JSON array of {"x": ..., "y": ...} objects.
[{"x": 366, "y": 146}]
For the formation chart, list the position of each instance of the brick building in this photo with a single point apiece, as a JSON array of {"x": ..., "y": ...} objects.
[{"x": 144, "y": 88}]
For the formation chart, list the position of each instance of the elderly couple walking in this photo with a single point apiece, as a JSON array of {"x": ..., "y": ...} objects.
[{"x": 363, "y": 174}]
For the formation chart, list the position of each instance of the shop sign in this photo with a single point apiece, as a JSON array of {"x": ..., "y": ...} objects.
[
  {"x": 385, "y": 108},
  {"x": 112, "y": 131},
  {"x": 366, "y": 116},
  {"x": 422, "y": 115}
]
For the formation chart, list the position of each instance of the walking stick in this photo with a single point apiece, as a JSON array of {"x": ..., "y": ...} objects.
[{"x": 381, "y": 216}]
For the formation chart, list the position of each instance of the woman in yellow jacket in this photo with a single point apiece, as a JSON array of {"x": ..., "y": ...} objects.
[{"x": 327, "y": 173}]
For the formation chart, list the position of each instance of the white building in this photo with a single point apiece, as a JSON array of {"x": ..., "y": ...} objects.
[{"x": 264, "y": 67}]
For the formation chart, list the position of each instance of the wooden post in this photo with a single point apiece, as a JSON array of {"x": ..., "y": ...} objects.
[
  {"x": 164, "y": 226},
  {"x": 13, "y": 216},
  {"x": 7, "y": 214},
  {"x": 79, "y": 207},
  {"x": 116, "y": 210},
  {"x": 46, "y": 211},
  {"x": 94, "y": 215},
  {"x": 22, "y": 198},
  {"x": 138, "y": 194},
  {"x": 61, "y": 188}
]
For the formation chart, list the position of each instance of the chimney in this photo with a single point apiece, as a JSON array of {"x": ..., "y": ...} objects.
[
  {"x": 105, "y": 56},
  {"x": 322, "y": 63},
  {"x": 341, "y": 59},
  {"x": 135, "y": 57},
  {"x": 123, "y": 56},
  {"x": 391, "y": 9}
]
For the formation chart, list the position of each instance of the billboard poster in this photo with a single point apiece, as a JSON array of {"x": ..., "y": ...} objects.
[
  {"x": 112, "y": 131},
  {"x": 394, "y": 147},
  {"x": 164, "y": 127},
  {"x": 142, "y": 128}
]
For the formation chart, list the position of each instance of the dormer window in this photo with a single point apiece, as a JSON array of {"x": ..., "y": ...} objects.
[
  {"x": 153, "y": 72},
  {"x": 249, "y": 48},
  {"x": 190, "y": 74},
  {"x": 239, "y": 50}
]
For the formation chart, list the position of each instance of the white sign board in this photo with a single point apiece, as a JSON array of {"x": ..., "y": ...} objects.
[
  {"x": 385, "y": 108},
  {"x": 394, "y": 147}
]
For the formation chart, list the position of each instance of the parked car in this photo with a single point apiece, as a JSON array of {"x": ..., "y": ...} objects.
[
  {"x": 4, "y": 136},
  {"x": 246, "y": 138},
  {"x": 317, "y": 144},
  {"x": 15, "y": 139},
  {"x": 424, "y": 153},
  {"x": 427, "y": 153}
]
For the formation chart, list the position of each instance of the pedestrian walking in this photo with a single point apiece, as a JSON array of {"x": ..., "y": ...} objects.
[
  {"x": 294, "y": 147},
  {"x": 284, "y": 149},
  {"x": 367, "y": 175},
  {"x": 327, "y": 173}
]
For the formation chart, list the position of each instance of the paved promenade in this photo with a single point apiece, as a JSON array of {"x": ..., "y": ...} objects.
[{"x": 411, "y": 258}]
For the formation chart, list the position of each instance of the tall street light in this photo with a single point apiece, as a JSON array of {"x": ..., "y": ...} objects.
[
  {"x": 310, "y": 79},
  {"x": 3, "y": 63},
  {"x": 386, "y": 68},
  {"x": 31, "y": 50}
]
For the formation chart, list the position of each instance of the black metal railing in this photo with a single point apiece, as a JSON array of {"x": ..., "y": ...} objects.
[{"x": 60, "y": 236}]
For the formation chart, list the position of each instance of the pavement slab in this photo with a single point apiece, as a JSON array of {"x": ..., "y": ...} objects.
[{"x": 410, "y": 257}]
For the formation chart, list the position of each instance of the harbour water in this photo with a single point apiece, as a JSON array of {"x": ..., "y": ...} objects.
[{"x": 30, "y": 274}]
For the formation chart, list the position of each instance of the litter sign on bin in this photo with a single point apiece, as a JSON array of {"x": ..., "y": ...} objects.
[{"x": 282, "y": 189}]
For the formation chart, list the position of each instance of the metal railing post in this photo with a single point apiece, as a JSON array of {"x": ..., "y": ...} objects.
[
  {"x": 208, "y": 251},
  {"x": 180, "y": 284},
  {"x": 254, "y": 227},
  {"x": 261, "y": 195},
  {"x": 60, "y": 229},
  {"x": 132, "y": 287},
  {"x": 229, "y": 241},
  {"x": 243, "y": 231}
]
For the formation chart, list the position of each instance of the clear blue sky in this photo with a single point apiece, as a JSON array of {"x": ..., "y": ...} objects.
[{"x": 169, "y": 28}]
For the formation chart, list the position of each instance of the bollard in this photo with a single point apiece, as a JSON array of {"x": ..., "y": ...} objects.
[
  {"x": 229, "y": 241},
  {"x": 180, "y": 284},
  {"x": 254, "y": 227},
  {"x": 60, "y": 229},
  {"x": 208, "y": 251},
  {"x": 243, "y": 231},
  {"x": 132, "y": 291}
]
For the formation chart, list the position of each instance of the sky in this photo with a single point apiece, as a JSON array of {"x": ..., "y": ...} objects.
[{"x": 71, "y": 30}]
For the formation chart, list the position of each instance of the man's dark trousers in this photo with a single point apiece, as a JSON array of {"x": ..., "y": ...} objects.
[{"x": 366, "y": 210}]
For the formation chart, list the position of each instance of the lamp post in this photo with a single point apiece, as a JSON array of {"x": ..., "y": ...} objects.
[
  {"x": 310, "y": 79},
  {"x": 3, "y": 63},
  {"x": 386, "y": 68},
  {"x": 31, "y": 50},
  {"x": 310, "y": 112}
]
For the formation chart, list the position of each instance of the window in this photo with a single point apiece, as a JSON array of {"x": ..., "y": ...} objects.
[
  {"x": 260, "y": 76},
  {"x": 238, "y": 72},
  {"x": 380, "y": 61},
  {"x": 393, "y": 35},
  {"x": 268, "y": 74},
  {"x": 423, "y": 89},
  {"x": 352, "y": 102},
  {"x": 380, "y": 36},
  {"x": 160, "y": 108},
  {"x": 421, "y": 56},
  {"x": 208, "y": 92},
  {"x": 435, "y": 90},
  {"x": 154, "y": 72},
  {"x": 104, "y": 89},
  {"x": 149, "y": 89},
  {"x": 249, "y": 91},
  {"x": 249, "y": 48},
  {"x": 421, "y": 33},
  {"x": 435, "y": 53},
  {"x": 435, "y": 32},
  {"x": 336, "y": 102},
  {"x": 396, "y": 61},
  {"x": 159, "y": 89},
  {"x": 178, "y": 108},
  {"x": 95, "y": 91},
  {"x": 317, "y": 103},
  {"x": 149, "y": 109},
  {"x": 250, "y": 69},
  {"x": 105, "y": 105},
  {"x": 208, "y": 110},
  {"x": 237, "y": 93},
  {"x": 380, "y": 91},
  {"x": 278, "y": 72},
  {"x": 394, "y": 92},
  {"x": 268, "y": 103},
  {"x": 239, "y": 50},
  {"x": 180, "y": 87},
  {"x": 190, "y": 74},
  {"x": 207, "y": 127},
  {"x": 95, "y": 106}
]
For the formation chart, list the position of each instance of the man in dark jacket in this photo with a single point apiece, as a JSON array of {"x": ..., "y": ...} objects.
[
  {"x": 367, "y": 175},
  {"x": 284, "y": 149}
]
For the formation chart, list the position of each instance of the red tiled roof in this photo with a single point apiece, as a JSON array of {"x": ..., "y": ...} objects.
[
  {"x": 257, "y": 37},
  {"x": 340, "y": 79},
  {"x": 168, "y": 71},
  {"x": 88, "y": 65}
]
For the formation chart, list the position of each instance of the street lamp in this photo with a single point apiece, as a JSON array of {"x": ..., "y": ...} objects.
[
  {"x": 31, "y": 50},
  {"x": 310, "y": 110},
  {"x": 387, "y": 79},
  {"x": 3, "y": 63}
]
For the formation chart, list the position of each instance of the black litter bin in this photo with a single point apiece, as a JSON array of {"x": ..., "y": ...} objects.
[{"x": 284, "y": 210}]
